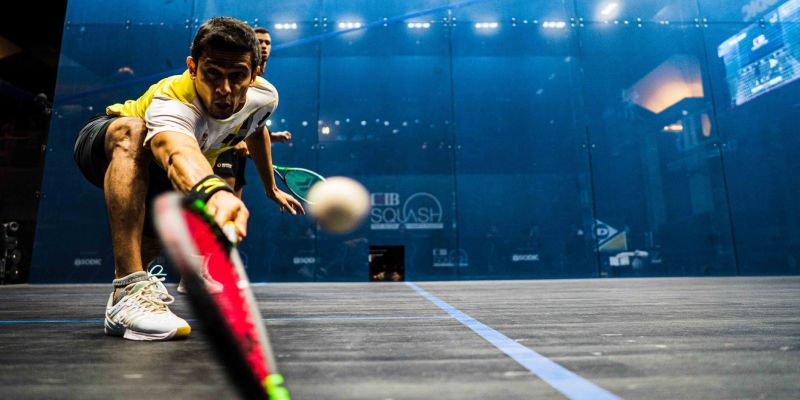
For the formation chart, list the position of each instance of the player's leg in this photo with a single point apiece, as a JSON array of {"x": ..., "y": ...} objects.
[
  {"x": 151, "y": 249},
  {"x": 108, "y": 152},
  {"x": 158, "y": 184},
  {"x": 239, "y": 166},
  {"x": 139, "y": 309},
  {"x": 125, "y": 189}
]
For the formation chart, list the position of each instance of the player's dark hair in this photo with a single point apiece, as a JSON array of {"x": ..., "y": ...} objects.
[
  {"x": 226, "y": 33},
  {"x": 261, "y": 29}
]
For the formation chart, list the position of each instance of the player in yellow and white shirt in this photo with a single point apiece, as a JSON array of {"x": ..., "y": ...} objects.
[
  {"x": 156, "y": 143},
  {"x": 230, "y": 165}
]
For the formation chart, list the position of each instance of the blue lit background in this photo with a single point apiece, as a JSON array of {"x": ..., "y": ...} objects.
[{"x": 500, "y": 139}]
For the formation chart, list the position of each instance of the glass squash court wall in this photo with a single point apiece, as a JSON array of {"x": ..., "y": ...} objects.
[{"x": 502, "y": 139}]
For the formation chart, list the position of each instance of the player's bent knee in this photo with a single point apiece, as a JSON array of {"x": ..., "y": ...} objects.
[{"x": 126, "y": 136}]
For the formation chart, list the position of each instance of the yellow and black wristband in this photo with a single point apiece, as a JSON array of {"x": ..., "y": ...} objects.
[{"x": 206, "y": 188}]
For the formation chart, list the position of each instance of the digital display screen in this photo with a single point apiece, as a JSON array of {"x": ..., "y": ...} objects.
[{"x": 764, "y": 56}]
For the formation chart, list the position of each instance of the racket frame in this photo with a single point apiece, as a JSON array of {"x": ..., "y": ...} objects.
[
  {"x": 180, "y": 248},
  {"x": 282, "y": 171}
]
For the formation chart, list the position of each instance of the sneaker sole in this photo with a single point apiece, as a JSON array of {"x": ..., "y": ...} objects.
[{"x": 129, "y": 334}]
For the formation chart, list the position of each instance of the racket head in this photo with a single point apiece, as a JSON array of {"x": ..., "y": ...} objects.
[
  {"x": 299, "y": 180},
  {"x": 195, "y": 243}
]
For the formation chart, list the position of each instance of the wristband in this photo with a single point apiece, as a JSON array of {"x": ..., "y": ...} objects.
[{"x": 206, "y": 188}]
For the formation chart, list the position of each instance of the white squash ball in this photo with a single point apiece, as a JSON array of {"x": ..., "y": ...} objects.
[{"x": 339, "y": 204}]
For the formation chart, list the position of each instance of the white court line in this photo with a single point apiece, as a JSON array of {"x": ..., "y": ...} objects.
[{"x": 565, "y": 381}]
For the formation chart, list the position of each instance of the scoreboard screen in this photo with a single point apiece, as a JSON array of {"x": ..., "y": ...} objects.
[{"x": 765, "y": 55}]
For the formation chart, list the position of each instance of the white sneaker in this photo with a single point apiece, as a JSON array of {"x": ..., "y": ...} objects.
[
  {"x": 142, "y": 313},
  {"x": 212, "y": 285}
]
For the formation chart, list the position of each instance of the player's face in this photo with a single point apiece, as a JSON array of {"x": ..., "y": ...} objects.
[
  {"x": 222, "y": 78},
  {"x": 265, "y": 43}
]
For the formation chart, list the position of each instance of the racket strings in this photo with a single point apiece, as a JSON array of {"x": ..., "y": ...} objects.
[{"x": 300, "y": 182}]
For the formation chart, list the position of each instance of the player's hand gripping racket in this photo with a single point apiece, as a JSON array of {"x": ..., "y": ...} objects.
[
  {"x": 231, "y": 318},
  {"x": 298, "y": 180}
]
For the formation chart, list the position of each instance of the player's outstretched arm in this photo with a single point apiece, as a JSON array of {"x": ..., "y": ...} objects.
[
  {"x": 280, "y": 137},
  {"x": 260, "y": 152},
  {"x": 180, "y": 155}
]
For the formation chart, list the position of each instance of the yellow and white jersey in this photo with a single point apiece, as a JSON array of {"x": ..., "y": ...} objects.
[{"x": 173, "y": 105}]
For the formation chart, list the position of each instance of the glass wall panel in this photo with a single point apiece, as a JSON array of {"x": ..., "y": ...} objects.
[
  {"x": 385, "y": 120},
  {"x": 106, "y": 57},
  {"x": 524, "y": 195},
  {"x": 498, "y": 139},
  {"x": 660, "y": 200},
  {"x": 754, "y": 62}
]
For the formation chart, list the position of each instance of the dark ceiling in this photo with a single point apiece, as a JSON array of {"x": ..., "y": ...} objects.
[{"x": 35, "y": 28}]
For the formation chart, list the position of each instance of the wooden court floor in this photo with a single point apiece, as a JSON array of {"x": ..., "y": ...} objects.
[{"x": 682, "y": 338}]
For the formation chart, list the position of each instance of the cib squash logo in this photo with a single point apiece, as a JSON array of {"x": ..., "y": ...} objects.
[{"x": 419, "y": 211}]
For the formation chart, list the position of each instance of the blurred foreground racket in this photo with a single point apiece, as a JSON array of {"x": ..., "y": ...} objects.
[{"x": 231, "y": 318}]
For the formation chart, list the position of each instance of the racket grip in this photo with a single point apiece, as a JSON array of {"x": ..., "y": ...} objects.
[{"x": 230, "y": 232}]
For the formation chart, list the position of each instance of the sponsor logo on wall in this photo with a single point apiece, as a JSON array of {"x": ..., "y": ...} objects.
[
  {"x": 88, "y": 262},
  {"x": 524, "y": 258},
  {"x": 419, "y": 211},
  {"x": 444, "y": 258},
  {"x": 609, "y": 238},
  {"x": 304, "y": 260}
]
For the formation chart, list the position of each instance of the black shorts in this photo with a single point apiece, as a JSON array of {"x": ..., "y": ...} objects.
[
  {"x": 90, "y": 151},
  {"x": 231, "y": 164},
  {"x": 90, "y": 155}
]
